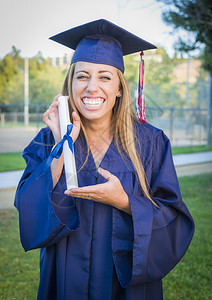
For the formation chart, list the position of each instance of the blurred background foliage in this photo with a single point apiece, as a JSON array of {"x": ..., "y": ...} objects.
[
  {"x": 195, "y": 18},
  {"x": 46, "y": 80}
]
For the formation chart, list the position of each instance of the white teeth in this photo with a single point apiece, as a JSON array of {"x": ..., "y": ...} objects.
[{"x": 92, "y": 101}]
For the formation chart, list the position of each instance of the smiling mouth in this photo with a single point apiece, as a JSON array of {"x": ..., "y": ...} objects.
[{"x": 92, "y": 102}]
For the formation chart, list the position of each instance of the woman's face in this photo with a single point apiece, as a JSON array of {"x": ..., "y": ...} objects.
[{"x": 94, "y": 89}]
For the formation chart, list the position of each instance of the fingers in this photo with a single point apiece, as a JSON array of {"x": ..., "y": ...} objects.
[
  {"x": 76, "y": 119},
  {"x": 56, "y": 97},
  {"x": 106, "y": 174},
  {"x": 48, "y": 113},
  {"x": 76, "y": 126},
  {"x": 94, "y": 191},
  {"x": 88, "y": 192},
  {"x": 51, "y": 118}
]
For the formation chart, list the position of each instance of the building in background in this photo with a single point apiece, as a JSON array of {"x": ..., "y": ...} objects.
[{"x": 61, "y": 62}]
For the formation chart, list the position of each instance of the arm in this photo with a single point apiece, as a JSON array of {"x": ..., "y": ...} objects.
[
  {"x": 110, "y": 193},
  {"x": 43, "y": 220},
  {"x": 51, "y": 118}
]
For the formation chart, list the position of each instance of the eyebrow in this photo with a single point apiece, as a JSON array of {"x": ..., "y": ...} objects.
[{"x": 101, "y": 71}]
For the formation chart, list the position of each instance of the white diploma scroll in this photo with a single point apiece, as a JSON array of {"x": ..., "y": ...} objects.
[{"x": 69, "y": 159}]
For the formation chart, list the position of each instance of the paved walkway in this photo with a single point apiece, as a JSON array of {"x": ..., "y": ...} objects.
[
  {"x": 10, "y": 179},
  {"x": 193, "y": 163},
  {"x": 192, "y": 158},
  {"x": 15, "y": 139},
  {"x": 186, "y": 164}
]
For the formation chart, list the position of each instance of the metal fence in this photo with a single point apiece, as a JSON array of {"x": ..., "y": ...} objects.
[
  {"x": 182, "y": 126},
  {"x": 13, "y": 115}
]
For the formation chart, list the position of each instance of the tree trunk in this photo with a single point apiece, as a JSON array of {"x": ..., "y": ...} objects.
[{"x": 209, "y": 115}]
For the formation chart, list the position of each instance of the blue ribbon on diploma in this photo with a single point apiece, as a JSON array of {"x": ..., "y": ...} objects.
[{"x": 58, "y": 149}]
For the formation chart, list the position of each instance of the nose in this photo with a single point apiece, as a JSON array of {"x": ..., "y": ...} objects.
[{"x": 93, "y": 85}]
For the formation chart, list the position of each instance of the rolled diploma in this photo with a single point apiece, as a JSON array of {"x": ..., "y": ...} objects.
[{"x": 69, "y": 159}]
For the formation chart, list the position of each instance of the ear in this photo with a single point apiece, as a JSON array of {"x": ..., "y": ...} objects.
[{"x": 118, "y": 94}]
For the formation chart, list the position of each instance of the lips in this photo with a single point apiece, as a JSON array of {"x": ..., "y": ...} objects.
[{"x": 92, "y": 102}]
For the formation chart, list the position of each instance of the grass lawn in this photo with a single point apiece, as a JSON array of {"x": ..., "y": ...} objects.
[
  {"x": 189, "y": 280},
  {"x": 19, "y": 271},
  {"x": 11, "y": 161},
  {"x": 15, "y": 161},
  {"x": 190, "y": 149},
  {"x": 21, "y": 124}
]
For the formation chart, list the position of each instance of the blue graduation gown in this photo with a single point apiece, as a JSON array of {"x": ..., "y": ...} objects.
[{"x": 91, "y": 250}]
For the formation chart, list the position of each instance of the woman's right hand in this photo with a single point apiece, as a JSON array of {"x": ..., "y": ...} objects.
[{"x": 51, "y": 119}]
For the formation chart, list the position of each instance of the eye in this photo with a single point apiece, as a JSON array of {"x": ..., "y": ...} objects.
[
  {"x": 82, "y": 77},
  {"x": 105, "y": 78}
]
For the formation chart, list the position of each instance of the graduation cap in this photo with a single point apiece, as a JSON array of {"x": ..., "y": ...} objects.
[{"x": 102, "y": 42}]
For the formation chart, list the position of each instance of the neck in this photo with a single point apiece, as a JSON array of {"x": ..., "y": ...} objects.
[
  {"x": 99, "y": 134},
  {"x": 98, "y": 130}
]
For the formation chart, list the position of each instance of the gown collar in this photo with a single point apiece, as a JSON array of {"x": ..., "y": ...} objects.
[{"x": 112, "y": 160}]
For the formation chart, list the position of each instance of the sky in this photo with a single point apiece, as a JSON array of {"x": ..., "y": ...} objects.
[{"x": 28, "y": 24}]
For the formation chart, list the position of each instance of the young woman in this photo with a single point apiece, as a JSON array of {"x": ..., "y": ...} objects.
[{"x": 126, "y": 226}]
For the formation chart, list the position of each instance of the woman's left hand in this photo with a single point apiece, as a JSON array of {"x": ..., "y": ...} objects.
[{"x": 110, "y": 192}]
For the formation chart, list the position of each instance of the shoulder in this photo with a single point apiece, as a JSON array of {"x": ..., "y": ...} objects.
[
  {"x": 149, "y": 140},
  {"x": 146, "y": 130},
  {"x": 41, "y": 144},
  {"x": 44, "y": 135}
]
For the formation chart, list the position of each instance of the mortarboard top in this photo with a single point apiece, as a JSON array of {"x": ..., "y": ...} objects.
[{"x": 101, "y": 42}]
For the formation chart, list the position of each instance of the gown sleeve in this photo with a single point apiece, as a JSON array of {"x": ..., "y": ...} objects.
[
  {"x": 46, "y": 216},
  {"x": 149, "y": 244}
]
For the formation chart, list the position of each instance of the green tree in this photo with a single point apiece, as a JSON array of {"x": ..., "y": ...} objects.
[
  {"x": 8, "y": 70},
  {"x": 37, "y": 63},
  {"x": 194, "y": 16},
  {"x": 16, "y": 57},
  {"x": 131, "y": 63},
  {"x": 14, "y": 90},
  {"x": 158, "y": 77},
  {"x": 46, "y": 85},
  {"x": 10, "y": 66},
  {"x": 44, "y": 80}
]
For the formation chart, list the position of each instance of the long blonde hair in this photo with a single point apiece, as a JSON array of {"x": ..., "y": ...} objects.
[{"x": 122, "y": 125}]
